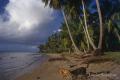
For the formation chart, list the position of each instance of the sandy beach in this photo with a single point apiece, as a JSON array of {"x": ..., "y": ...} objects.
[
  {"x": 46, "y": 71},
  {"x": 49, "y": 70}
]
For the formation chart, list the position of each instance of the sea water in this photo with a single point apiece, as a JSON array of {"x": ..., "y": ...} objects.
[{"x": 14, "y": 64}]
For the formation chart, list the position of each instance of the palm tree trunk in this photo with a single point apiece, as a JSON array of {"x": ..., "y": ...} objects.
[
  {"x": 76, "y": 49},
  {"x": 86, "y": 27},
  {"x": 87, "y": 40},
  {"x": 101, "y": 26}
]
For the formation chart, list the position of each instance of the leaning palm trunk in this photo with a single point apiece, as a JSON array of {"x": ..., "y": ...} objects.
[
  {"x": 87, "y": 40},
  {"x": 69, "y": 32},
  {"x": 101, "y": 26},
  {"x": 86, "y": 27}
]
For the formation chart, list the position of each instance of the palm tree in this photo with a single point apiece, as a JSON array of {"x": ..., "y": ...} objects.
[
  {"x": 86, "y": 37},
  {"x": 86, "y": 27},
  {"x": 101, "y": 26},
  {"x": 74, "y": 8},
  {"x": 57, "y": 4}
]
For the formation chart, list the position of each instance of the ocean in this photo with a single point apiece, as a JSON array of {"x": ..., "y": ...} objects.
[{"x": 14, "y": 64}]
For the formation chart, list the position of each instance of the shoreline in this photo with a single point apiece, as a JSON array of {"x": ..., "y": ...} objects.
[
  {"x": 49, "y": 69},
  {"x": 16, "y": 64},
  {"x": 45, "y": 71}
]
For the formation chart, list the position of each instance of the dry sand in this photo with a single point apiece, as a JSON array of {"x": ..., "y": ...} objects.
[
  {"x": 49, "y": 70},
  {"x": 46, "y": 71}
]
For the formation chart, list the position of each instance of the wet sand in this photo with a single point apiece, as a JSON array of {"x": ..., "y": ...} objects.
[
  {"x": 49, "y": 70},
  {"x": 46, "y": 71}
]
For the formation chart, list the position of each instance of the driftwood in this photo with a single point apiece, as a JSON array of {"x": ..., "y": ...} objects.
[
  {"x": 79, "y": 71},
  {"x": 73, "y": 74},
  {"x": 57, "y": 59},
  {"x": 79, "y": 64}
]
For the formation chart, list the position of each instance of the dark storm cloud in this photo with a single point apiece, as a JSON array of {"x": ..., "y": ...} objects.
[{"x": 27, "y": 22}]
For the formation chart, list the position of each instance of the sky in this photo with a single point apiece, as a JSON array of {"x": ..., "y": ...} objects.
[{"x": 24, "y": 24}]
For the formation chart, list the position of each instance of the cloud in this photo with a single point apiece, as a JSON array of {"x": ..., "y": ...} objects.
[
  {"x": 25, "y": 24},
  {"x": 28, "y": 21}
]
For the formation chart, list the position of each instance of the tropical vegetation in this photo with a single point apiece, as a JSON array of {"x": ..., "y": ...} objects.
[{"x": 90, "y": 26}]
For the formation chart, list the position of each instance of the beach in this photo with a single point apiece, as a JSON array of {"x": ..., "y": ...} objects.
[
  {"x": 49, "y": 70},
  {"x": 46, "y": 71},
  {"x": 14, "y": 64}
]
